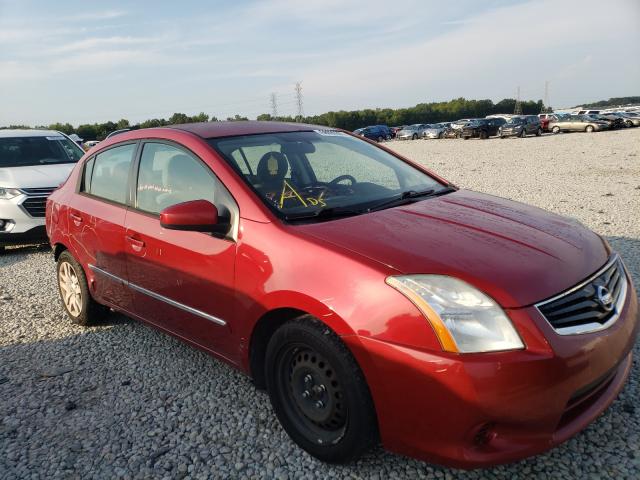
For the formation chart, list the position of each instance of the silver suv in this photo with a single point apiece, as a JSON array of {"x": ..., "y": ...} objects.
[{"x": 33, "y": 163}]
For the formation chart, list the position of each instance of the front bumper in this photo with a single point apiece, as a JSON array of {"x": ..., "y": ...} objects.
[
  {"x": 510, "y": 133},
  {"x": 17, "y": 225},
  {"x": 478, "y": 410}
]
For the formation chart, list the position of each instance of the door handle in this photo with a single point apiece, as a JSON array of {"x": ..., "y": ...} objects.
[
  {"x": 77, "y": 219},
  {"x": 135, "y": 243}
]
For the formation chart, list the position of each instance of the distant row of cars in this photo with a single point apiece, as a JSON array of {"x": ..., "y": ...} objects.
[{"x": 505, "y": 126}]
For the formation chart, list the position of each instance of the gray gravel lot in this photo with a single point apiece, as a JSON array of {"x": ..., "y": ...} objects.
[{"x": 121, "y": 400}]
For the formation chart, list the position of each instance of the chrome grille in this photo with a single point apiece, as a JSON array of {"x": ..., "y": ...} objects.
[
  {"x": 593, "y": 305},
  {"x": 36, "y": 201}
]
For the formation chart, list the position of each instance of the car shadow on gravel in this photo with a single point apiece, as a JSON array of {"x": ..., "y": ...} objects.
[{"x": 12, "y": 255}]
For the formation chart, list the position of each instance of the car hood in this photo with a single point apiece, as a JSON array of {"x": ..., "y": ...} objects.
[
  {"x": 516, "y": 253},
  {"x": 36, "y": 176}
]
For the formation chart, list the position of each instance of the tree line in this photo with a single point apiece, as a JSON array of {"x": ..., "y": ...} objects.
[
  {"x": 433, "y": 112},
  {"x": 612, "y": 102}
]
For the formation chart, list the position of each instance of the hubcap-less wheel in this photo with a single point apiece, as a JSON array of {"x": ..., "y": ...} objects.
[
  {"x": 70, "y": 289},
  {"x": 312, "y": 394},
  {"x": 555, "y": 129},
  {"x": 589, "y": 129}
]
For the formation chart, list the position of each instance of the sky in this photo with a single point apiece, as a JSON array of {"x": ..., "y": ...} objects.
[{"x": 92, "y": 61}]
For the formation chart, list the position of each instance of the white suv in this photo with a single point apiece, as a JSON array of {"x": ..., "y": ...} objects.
[{"x": 33, "y": 163}]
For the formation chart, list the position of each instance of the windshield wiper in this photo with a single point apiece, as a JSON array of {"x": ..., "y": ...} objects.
[
  {"x": 327, "y": 212},
  {"x": 408, "y": 197}
]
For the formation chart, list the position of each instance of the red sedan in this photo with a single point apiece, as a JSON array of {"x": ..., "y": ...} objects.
[{"x": 374, "y": 301}]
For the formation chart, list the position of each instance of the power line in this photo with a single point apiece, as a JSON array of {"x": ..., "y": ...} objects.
[{"x": 546, "y": 107}]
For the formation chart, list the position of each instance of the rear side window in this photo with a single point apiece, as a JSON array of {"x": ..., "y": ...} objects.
[
  {"x": 107, "y": 175},
  {"x": 169, "y": 175}
]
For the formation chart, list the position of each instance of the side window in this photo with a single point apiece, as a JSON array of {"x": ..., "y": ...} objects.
[
  {"x": 169, "y": 175},
  {"x": 110, "y": 173},
  {"x": 86, "y": 175}
]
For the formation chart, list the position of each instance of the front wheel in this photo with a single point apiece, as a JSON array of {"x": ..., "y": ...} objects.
[
  {"x": 414, "y": 137},
  {"x": 555, "y": 129},
  {"x": 318, "y": 392},
  {"x": 80, "y": 307},
  {"x": 589, "y": 129}
]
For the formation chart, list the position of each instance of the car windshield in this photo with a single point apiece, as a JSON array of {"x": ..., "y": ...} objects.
[
  {"x": 304, "y": 174},
  {"x": 41, "y": 150}
]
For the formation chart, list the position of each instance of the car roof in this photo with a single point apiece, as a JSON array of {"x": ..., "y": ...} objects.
[
  {"x": 231, "y": 129},
  {"x": 25, "y": 132}
]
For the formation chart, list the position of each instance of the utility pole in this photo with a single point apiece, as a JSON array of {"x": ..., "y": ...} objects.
[
  {"x": 518, "y": 109},
  {"x": 274, "y": 106},
  {"x": 298, "y": 89}
]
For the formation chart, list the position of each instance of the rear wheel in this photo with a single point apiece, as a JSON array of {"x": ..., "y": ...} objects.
[
  {"x": 81, "y": 308},
  {"x": 589, "y": 129},
  {"x": 538, "y": 132},
  {"x": 380, "y": 139},
  {"x": 555, "y": 129},
  {"x": 483, "y": 135},
  {"x": 629, "y": 123},
  {"x": 414, "y": 137},
  {"x": 318, "y": 391}
]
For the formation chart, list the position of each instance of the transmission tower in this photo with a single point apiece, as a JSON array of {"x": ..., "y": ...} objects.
[
  {"x": 298, "y": 89},
  {"x": 546, "y": 108},
  {"x": 274, "y": 106},
  {"x": 518, "y": 109}
]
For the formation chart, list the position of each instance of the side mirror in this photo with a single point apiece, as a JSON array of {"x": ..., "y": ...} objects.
[{"x": 194, "y": 216}]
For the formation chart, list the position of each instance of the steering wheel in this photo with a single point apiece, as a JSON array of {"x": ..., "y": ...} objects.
[{"x": 337, "y": 180}]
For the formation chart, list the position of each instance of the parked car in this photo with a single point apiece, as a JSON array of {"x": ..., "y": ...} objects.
[
  {"x": 258, "y": 243},
  {"x": 378, "y": 133},
  {"x": 118, "y": 132},
  {"x": 482, "y": 128},
  {"x": 630, "y": 120},
  {"x": 435, "y": 131},
  {"x": 412, "y": 132},
  {"x": 395, "y": 130},
  {"x": 613, "y": 121},
  {"x": 32, "y": 165},
  {"x": 521, "y": 127},
  {"x": 459, "y": 124},
  {"x": 545, "y": 118},
  {"x": 577, "y": 123},
  {"x": 588, "y": 112},
  {"x": 450, "y": 132},
  {"x": 89, "y": 144}
]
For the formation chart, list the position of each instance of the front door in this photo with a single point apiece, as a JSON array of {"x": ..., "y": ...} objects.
[
  {"x": 181, "y": 281},
  {"x": 96, "y": 220}
]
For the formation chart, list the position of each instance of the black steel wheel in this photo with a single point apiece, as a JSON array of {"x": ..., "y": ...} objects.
[{"x": 318, "y": 391}]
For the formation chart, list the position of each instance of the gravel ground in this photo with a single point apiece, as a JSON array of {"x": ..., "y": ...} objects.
[{"x": 121, "y": 400}]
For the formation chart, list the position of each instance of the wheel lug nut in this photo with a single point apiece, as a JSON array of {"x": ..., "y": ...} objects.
[
  {"x": 318, "y": 389},
  {"x": 305, "y": 394},
  {"x": 319, "y": 404},
  {"x": 308, "y": 378}
]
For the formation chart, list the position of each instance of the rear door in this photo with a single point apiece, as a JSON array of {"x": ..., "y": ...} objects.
[
  {"x": 96, "y": 219},
  {"x": 181, "y": 281}
]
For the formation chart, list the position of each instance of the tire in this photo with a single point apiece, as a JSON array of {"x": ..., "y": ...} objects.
[
  {"x": 484, "y": 135},
  {"x": 414, "y": 137},
  {"x": 523, "y": 133},
  {"x": 380, "y": 139},
  {"x": 308, "y": 365},
  {"x": 589, "y": 129},
  {"x": 629, "y": 124},
  {"x": 466, "y": 138},
  {"x": 555, "y": 129},
  {"x": 77, "y": 302},
  {"x": 538, "y": 132}
]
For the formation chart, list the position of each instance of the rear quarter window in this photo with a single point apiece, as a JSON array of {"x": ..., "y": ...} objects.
[{"x": 107, "y": 174}]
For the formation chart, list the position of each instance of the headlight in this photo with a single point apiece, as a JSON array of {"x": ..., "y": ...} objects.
[
  {"x": 9, "y": 193},
  {"x": 464, "y": 319}
]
